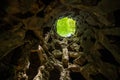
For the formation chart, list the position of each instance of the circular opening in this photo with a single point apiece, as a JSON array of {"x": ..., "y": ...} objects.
[{"x": 66, "y": 27}]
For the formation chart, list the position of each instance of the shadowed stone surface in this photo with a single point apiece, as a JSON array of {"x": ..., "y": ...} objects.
[{"x": 31, "y": 49}]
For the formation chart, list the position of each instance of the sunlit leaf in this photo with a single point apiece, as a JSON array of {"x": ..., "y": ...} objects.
[{"x": 66, "y": 26}]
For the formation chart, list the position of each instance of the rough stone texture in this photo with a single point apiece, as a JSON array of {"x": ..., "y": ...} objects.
[{"x": 30, "y": 48}]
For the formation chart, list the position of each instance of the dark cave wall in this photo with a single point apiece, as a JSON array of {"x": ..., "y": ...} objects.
[{"x": 30, "y": 47}]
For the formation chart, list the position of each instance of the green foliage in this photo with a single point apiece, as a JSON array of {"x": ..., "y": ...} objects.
[{"x": 66, "y": 26}]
